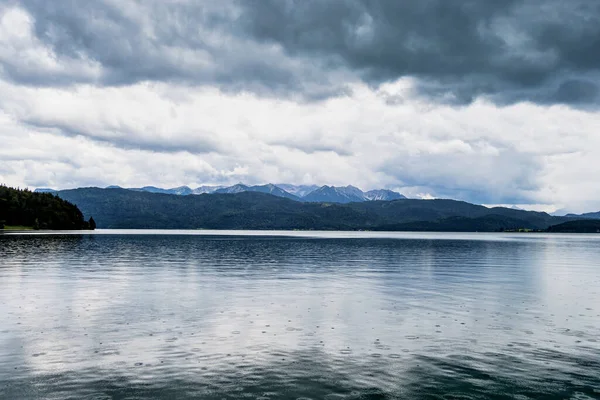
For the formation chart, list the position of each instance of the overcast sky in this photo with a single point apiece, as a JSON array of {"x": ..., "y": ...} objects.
[{"x": 488, "y": 101}]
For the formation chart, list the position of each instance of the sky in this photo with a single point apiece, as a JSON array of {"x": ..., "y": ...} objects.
[{"x": 487, "y": 101}]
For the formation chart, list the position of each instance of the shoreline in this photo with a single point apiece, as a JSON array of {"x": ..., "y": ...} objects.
[{"x": 290, "y": 232}]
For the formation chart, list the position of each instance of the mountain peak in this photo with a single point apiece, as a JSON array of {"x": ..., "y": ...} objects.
[
  {"x": 383, "y": 194},
  {"x": 237, "y": 188},
  {"x": 310, "y": 193},
  {"x": 333, "y": 194},
  {"x": 297, "y": 190}
]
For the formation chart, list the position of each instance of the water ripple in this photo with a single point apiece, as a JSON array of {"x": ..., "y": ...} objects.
[{"x": 299, "y": 316}]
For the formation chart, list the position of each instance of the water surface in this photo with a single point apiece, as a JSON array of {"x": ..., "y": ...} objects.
[{"x": 299, "y": 315}]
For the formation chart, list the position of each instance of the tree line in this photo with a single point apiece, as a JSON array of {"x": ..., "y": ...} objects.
[{"x": 22, "y": 207}]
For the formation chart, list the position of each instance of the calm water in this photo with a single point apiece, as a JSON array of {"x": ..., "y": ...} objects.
[{"x": 302, "y": 316}]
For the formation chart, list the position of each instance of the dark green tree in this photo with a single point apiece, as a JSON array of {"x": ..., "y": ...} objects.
[
  {"x": 38, "y": 210},
  {"x": 92, "y": 223}
]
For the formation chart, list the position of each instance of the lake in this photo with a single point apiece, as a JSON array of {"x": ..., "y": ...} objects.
[{"x": 299, "y": 315}]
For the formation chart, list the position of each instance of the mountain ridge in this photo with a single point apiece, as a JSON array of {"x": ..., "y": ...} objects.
[
  {"x": 121, "y": 208},
  {"x": 310, "y": 193},
  {"x": 589, "y": 215}
]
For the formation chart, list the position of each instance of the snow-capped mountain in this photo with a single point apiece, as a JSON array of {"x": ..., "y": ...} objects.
[
  {"x": 348, "y": 194},
  {"x": 309, "y": 193},
  {"x": 150, "y": 189},
  {"x": 297, "y": 190},
  {"x": 240, "y": 187},
  {"x": 268, "y": 188},
  {"x": 333, "y": 194},
  {"x": 181, "y": 190},
  {"x": 275, "y": 191},
  {"x": 383, "y": 194},
  {"x": 206, "y": 189}
]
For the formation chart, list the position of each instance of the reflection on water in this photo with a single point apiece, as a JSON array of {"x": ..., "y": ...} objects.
[{"x": 332, "y": 316}]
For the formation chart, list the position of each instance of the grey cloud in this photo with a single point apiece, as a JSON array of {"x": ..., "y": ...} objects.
[
  {"x": 187, "y": 42},
  {"x": 129, "y": 141},
  {"x": 577, "y": 91},
  {"x": 505, "y": 50},
  {"x": 512, "y": 177},
  {"x": 311, "y": 148}
]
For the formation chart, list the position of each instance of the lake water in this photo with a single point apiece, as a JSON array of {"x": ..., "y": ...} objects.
[{"x": 286, "y": 315}]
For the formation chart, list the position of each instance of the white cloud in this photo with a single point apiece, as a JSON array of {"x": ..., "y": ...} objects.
[
  {"x": 23, "y": 54},
  {"x": 169, "y": 135}
]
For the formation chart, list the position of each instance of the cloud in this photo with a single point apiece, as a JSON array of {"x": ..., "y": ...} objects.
[
  {"x": 181, "y": 42},
  {"x": 507, "y": 51},
  {"x": 485, "y": 101},
  {"x": 25, "y": 58},
  {"x": 577, "y": 91},
  {"x": 157, "y": 134}
]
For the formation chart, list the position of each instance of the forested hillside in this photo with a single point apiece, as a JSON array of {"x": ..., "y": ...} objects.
[
  {"x": 579, "y": 226},
  {"x": 119, "y": 208},
  {"x": 24, "y": 208}
]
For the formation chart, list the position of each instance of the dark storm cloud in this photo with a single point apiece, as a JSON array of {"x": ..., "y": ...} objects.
[
  {"x": 190, "y": 43},
  {"x": 506, "y": 50},
  {"x": 577, "y": 91}
]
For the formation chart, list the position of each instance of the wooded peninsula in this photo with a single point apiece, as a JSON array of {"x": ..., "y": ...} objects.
[{"x": 23, "y": 209}]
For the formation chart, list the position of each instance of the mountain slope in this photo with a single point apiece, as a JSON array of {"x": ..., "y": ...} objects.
[
  {"x": 297, "y": 190},
  {"x": 577, "y": 226},
  {"x": 487, "y": 223},
  {"x": 591, "y": 215},
  {"x": 311, "y": 193},
  {"x": 383, "y": 194},
  {"x": 333, "y": 194},
  {"x": 44, "y": 190},
  {"x": 274, "y": 190},
  {"x": 206, "y": 189},
  {"x": 268, "y": 188},
  {"x": 412, "y": 210},
  {"x": 181, "y": 190},
  {"x": 120, "y": 208},
  {"x": 239, "y": 188},
  {"x": 349, "y": 194}
]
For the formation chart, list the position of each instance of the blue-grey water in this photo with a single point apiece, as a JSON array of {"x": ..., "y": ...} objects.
[{"x": 177, "y": 315}]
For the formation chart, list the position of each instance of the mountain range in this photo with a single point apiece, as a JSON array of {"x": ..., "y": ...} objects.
[
  {"x": 349, "y": 194},
  {"x": 249, "y": 209},
  {"x": 304, "y": 193},
  {"x": 590, "y": 215},
  {"x": 268, "y": 188},
  {"x": 300, "y": 193}
]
